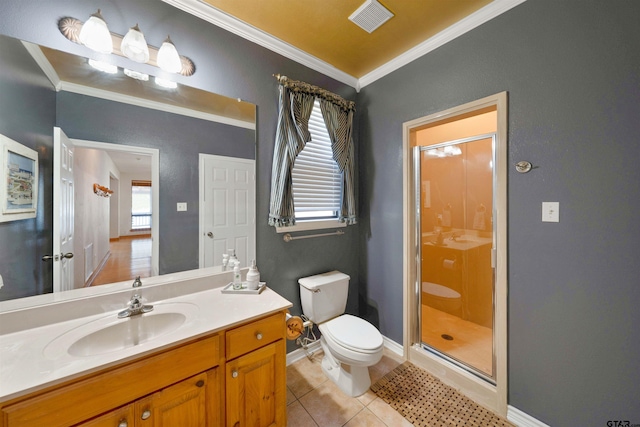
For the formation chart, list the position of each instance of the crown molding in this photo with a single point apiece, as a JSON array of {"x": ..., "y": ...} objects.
[
  {"x": 248, "y": 32},
  {"x": 490, "y": 11},
  {"x": 44, "y": 64}
]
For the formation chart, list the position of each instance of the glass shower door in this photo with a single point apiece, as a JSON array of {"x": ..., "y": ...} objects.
[{"x": 454, "y": 194}]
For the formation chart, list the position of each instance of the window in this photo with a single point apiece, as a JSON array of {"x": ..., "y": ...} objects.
[
  {"x": 316, "y": 178},
  {"x": 140, "y": 205}
]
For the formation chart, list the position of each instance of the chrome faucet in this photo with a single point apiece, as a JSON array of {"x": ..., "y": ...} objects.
[
  {"x": 455, "y": 235},
  {"x": 136, "y": 305}
]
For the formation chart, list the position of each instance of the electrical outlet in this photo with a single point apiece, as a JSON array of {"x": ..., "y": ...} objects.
[
  {"x": 550, "y": 211},
  {"x": 182, "y": 206}
]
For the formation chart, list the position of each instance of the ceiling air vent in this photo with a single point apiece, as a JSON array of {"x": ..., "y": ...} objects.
[{"x": 370, "y": 16}]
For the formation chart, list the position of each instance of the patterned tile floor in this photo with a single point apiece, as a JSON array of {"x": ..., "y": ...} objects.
[{"x": 315, "y": 401}]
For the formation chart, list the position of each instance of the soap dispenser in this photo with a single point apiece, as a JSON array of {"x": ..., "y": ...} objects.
[
  {"x": 253, "y": 276},
  {"x": 237, "y": 278}
]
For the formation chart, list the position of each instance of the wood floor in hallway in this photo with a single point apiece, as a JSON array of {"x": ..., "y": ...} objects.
[{"x": 130, "y": 257}]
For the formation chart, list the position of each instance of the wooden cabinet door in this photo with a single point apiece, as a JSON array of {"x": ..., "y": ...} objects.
[
  {"x": 256, "y": 388},
  {"x": 182, "y": 404},
  {"x": 121, "y": 417}
]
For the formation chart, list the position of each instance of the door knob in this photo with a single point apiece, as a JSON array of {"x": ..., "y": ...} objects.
[
  {"x": 47, "y": 257},
  {"x": 210, "y": 235},
  {"x": 67, "y": 255}
]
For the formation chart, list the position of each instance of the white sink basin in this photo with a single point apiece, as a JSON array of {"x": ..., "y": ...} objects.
[{"x": 109, "y": 334}]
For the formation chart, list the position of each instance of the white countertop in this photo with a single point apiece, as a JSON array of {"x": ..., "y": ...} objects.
[
  {"x": 465, "y": 240},
  {"x": 24, "y": 366}
]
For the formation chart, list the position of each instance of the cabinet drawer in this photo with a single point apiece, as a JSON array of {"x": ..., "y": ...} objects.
[{"x": 254, "y": 335}]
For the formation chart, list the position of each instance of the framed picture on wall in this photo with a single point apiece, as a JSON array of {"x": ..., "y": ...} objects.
[{"x": 19, "y": 189}]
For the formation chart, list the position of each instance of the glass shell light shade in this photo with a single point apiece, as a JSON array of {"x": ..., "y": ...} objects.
[
  {"x": 168, "y": 58},
  {"x": 134, "y": 46},
  {"x": 95, "y": 34}
]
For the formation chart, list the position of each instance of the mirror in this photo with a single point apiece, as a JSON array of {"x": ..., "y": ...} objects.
[{"x": 89, "y": 105}]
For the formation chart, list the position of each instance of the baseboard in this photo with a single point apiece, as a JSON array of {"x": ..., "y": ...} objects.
[
  {"x": 393, "y": 346},
  {"x": 97, "y": 270},
  {"x": 522, "y": 419},
  {"x": 144, "y": 234},
  {"x": 301, "y": 353}
]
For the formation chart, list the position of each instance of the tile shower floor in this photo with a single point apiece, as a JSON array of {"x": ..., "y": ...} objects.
[{"x": 314, "y": 400}]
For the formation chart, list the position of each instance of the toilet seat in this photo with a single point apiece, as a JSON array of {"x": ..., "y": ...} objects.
[{"x": 353, "y": 333}]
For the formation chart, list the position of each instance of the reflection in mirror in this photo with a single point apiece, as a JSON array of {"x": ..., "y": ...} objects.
[{"x": 90, "y": 106}]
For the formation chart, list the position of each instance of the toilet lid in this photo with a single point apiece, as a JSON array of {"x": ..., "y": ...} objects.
[
  {"x": 439, "y": 290},
  {"x": 353, "y": 333}
]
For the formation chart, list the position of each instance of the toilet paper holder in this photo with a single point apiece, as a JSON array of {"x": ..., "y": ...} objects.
[{"x": 449, "y": 264}]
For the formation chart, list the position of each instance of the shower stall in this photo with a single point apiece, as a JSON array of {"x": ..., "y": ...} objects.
[
  {"x": 455, "y": 250},
  {"x": 454, "y": 226}
]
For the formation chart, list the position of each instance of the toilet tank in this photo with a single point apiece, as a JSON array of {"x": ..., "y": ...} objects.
[{"x": 324, "y": 296}]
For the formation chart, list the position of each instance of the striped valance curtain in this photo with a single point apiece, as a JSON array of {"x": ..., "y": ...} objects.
[{"x": 295, "y": 106}]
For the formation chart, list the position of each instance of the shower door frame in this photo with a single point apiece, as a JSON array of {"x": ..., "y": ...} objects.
[{"x": 493, "y": 396}]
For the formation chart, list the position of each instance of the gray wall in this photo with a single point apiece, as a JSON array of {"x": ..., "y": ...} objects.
[
  {"x": 572, "y": 71},
  {"x": 27, "y": 115},
  {"x": 228, "y": 65}
]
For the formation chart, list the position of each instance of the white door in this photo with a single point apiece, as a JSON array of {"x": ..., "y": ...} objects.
[
  {"x": 227, "y": 209},
  {"x": 63, "y": 212}
]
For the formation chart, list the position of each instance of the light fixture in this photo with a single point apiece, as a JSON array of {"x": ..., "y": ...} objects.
[
  {"x": 103, "y": 66},
  {"x": 447, "y": 151},
  {"x": 168, "y": 58},
  {"x": 167, "y": 84},
  {"x": 95, "y": 34},
  {"x": 136, "y": 75},
  {"x": 134, "y": 46}
]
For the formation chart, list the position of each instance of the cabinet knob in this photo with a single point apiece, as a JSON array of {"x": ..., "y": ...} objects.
[
  {"x": 123, "y": 423},
  {"x": 258, "y": 336},
  {"x": 146, "y": 414},
  {"x": 200, "y": 383},
  {"x": 234, "y": 374}
]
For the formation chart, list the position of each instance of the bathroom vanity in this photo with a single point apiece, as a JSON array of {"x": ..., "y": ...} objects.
[
  {"x": 223, "y": 365},
  {"x": 462, "y": 264}
]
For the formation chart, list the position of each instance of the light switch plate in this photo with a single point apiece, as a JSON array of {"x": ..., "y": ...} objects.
[
  {"x": 550, "y": 211},
  {"x": 182, "y": 206}
]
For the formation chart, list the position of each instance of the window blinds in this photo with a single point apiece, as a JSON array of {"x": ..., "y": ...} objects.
[{"x": 316, "y": 178}]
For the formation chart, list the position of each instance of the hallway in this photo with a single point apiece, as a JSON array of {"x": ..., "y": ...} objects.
[{"x": 130, "y": 257}]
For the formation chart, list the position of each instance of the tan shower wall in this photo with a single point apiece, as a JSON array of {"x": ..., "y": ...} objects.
[
  {"x": 462, "y": 128},
  {"x": 465, "y": 184}
]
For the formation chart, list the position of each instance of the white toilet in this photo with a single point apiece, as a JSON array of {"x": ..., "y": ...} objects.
[
  {"x": 442, "y": 298},
  {"x": 350, "y": 344}
]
